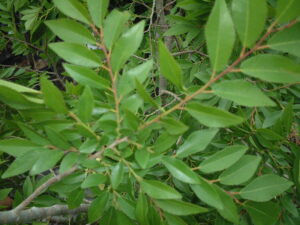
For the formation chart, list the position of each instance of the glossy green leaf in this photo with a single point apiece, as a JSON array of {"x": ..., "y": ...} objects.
[
  {"x": 169, "y": 68},
  {"x": 98, "y": 10},
  {"x": 86, "y": 76},
  {"x": 174, "y": 220},
  {"x": 180, "y": 170},
  {"x": 241, "y": 171},
  {"x": 249, "y": 17},
  {"x": 85, "y": 105},
  {"x": 158, "y": 190},
  {"x": 47, "y": 160},
  {"x": 52, "y": 96},
  {"x": 287, "y": 10},
  {"x": 263, "y": 213},
  {"x": 142, "y": 209},
  {"x": 180, "y": 208},
  {"x": 127, "y": 45},
  {"x": 223, "y": 159},
  {"x": 76, "y": 53},
  {"x": 272, "y": 68},
  {"x": 117, "y": 174},
  {"x": 73, "y": 9},
  {"x": 97, "y": 207},
  {"x": 196, "y": 142},
  {"x": 265, "y": 187},
  {"x": 113, "y": 27},
  {"x": 75, "y": 198},
  {"x": 94, "y": 180},
  {"x": 287, "y": 40},
  {"x": 211, "y": 116},
  {"x": 220, "y": 35},
  {"x": 173, "y": 126},
  {"x": 68, "y": 161},
  {"x": 17, "y": 146},
  {"x": 242, "y": 93},
  {"x": 57, "y": 139}
]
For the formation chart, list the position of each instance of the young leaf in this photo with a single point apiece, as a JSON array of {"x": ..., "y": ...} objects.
[
  {"x": 73, "y": 9},
  {"x": 241, "y": 171},
  {"x": 249, "y": 17},
  {"x": 223, "y": 159},
  {"x": 211, "y": 116},
  {"x": 113, "y": 27},
  {"x": 117, "y": 175},
  {"x": 196, "y": 142},
  {"x": 180, "y": 208},
  {"x": 220, "y": 35},
  {"x": 98, "y": 10},
  {"x": 85, "y": 105},
  {"x": 173, "y": 126},
  {"x": 70, "y": 31},
  {"x": 17, "y": 87},
  {"x": 76, "y": 54},
  {"x": 17, "y": 146},
  {"x": 272, "y": 68},
  {"x": 265, "y": 187},
  {"x": 287, "y": 10},
  {"x": 86, "y": 76},
  {"x": 242, "y": 93},
  {"x": 97, "y": 207},
  {"x": 158, "y": 190},
  {"x": 287, "y": 40},
  {"x": 127, "y": 45},
  {"x": 94, "y": 180},
  {"x": 75, "y": 198},
  {"x": 180, "y": 170},
  {"x": 52, "y": 96}
]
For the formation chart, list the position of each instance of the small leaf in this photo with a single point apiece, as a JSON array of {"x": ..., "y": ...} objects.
[
  {"x": 265, "y": 187},
  {"x": 287, "y": 40},
  {"x": 68, "y": 161},
  {"x": 223, "y": 159},
  {"x": 73, "y": 9},
  {"x": 249, "y": 17},
  {"x": 127, "y": 45},
  {"x": 220, "y": 35},
  {"x": 98, "y": 10},
  {"x": 76, "y": 54},
  {"x": 141, "y": 210},
  {"x": 94, "y": 180},
  {"x": 242, "y": 93},
  {"x": 52, "y": 96},
  {"x": 4, "y": 193},
  {"x": 17, "y": 87},
  {"x": 85, "y": 105},
  {"x": 142, "y": 157},
  {"x": 196, "y": 142},
  {"x": 33, "y": 135},
  {"x": 180, "y": 170},
  {"x": 117, "y": 175},
  {"x": 57, "y": 139},
  {"x": 86, "y": 76},
  {"x": 17, "y": 147},
  {"x": 241, "y": 171},
  {"x": 180, "y": 208},
  {"x": 144, "y": 94},
  {"x": 173, "y": 126},
  {"x": 211, "y": 116},
  {"x": 158, "y": 190},
  {"x": 169, "y": 67},
  {"x": 174, "y": 220},
  {"x": 287, "y": 10},
  {"x": 272, "y": 68},
  {"x": 75, "y": 198}
]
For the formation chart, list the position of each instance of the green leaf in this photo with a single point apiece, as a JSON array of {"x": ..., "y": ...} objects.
[
  {"x": 47, "y": 160},
  {"x": 242, "y": 93},
  {"x": 169, "y": 67},
  {"x": 223, "y": 159},
  {"x": 144, "y": 94},
  {"x": 52, "y": 96},
  {"x": 173, "y": 126},
  {"x": 220, "y": 35},
  {"x": 263, "y": 213},
  {"x": 196, "y": 142},
  {"x": 73, "y": 9},
  {"x": 4, "y": 193},
  {"x": 174, "y": 220},
  {"x": 17, "y": 87},
  {"x": 127, "y": 45},
  {"x": 17, "y": 147},
  {"x": 85, "y": 105},
  {"x": 180, "y": 208},
  {"x": 114, "y": 26},
  {"x": 272, "y": 68},
  {"x": 158, "y": 190},
  {"x": 287, "y": 40},
  {"x": 33, "y": 135},
  {"x": 142, "y": 209},
  {"x": 68, "y": 161},
  {"x": 70, "y": 31},
  {"x": 249, "y": 17},
  {"x": 98, "y": 10},
  {"x": 75, "y": 198},
  {"x": 241, "y": 171},
  {"x": 265, "y": 187},
  {"x": 117, "y": 174},
  {"x": 211, "y": 116},
  {"x": 94, "y": 180},
  {"x": 287, "y": 10},
  {"x": 142, "y": 156},
  {"x": 76, "y": 54},
  {"x": 180, "y": 170},
  {"x": 86, "y": 76},
  {"x": 57, "y": 139}
]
